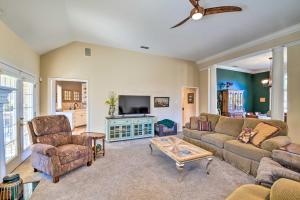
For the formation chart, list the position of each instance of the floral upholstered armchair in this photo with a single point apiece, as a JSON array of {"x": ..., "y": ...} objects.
[{"x": 55, "y": 151}]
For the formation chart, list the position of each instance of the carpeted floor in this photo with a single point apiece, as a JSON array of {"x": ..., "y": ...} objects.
[{"x": 129, "y": 171}]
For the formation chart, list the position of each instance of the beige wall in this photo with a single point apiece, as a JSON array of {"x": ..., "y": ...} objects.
[
  {"x": 203, "y": 90},
  {"x": 14, "y": 51},
  {"x": 293, "y": 92},
  {"x": 121, "y": 71}
]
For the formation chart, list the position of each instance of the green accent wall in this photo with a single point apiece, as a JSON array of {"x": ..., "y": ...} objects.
[
  {"x": 259, "y": 91},
  {"x": 251, "y": 84},
  {"x": 241, "y": 81}
]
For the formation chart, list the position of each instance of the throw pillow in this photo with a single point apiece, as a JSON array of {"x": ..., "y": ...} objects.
[
  {"x": 194, "y": 123},
  {"x": 264, "y": 132},
  {"x": 204, "y": 126},
  {"x": 246, "y": 135}
]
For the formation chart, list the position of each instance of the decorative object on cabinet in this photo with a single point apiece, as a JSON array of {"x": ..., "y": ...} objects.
[
  {"x": 160, "y": 102},
  {"x": 225, "y": 85},
  {"x": 232, "y": 103},
  {"x": 112, "y": 102},
  {"x": 191, "y": 98},
  {"x": 127, "y": 128}
]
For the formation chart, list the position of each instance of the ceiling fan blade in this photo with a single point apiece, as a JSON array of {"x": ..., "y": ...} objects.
[
  {"x": 221, "y": 9},
  {"x": 180, "y": 23},
  {"x": 194, "y": 2}
]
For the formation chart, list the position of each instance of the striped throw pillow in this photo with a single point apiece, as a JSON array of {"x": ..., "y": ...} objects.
[{"x": 204, "y": 125}]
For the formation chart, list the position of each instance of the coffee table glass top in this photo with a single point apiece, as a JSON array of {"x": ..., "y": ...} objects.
[
  {"x": 179, "y": 150},
  {"x": 28, "y": 189}
]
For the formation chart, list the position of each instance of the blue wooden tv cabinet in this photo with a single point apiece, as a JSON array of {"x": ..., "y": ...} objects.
[{"x": 129, "y": 127}]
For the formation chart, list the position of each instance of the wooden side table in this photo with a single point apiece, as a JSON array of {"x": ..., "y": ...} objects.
[{"x": 96, "y": 136}]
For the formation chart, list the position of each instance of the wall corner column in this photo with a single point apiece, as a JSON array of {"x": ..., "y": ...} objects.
[{"x": 277, "y": 94}]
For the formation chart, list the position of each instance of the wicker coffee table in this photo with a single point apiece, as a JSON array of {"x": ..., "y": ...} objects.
[{"x": 181, "y": 151}]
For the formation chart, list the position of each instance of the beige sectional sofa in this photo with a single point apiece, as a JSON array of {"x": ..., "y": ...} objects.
[
  {"x": 283, "y": 189},
  {"x": 223, "y": 143}
]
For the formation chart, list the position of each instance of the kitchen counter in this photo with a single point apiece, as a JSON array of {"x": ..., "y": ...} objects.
[{"x": 76, "y": 117}]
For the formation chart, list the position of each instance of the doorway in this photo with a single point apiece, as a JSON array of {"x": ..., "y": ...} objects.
[
  {"x": 69, "y": 97},
  {"x": 190, "y": 104}
]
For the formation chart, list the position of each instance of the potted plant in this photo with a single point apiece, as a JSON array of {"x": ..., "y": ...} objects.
[{"x": 112, "y": 102}]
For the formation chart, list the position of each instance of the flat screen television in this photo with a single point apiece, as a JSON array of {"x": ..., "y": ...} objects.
[{"x": 129, "y": 105}]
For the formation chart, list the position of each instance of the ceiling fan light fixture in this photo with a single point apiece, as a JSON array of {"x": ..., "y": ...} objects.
[{"x": 197, "y": 16}]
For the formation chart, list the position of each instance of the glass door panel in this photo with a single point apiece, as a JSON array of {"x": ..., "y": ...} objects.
[
  {"x": 28, "y": 111},
  {"x": 10, "y": 119}
]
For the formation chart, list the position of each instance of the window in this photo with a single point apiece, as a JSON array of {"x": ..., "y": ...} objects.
[
  {"x": 67, "y": 95},
  {"x": 76, "y": 96}
]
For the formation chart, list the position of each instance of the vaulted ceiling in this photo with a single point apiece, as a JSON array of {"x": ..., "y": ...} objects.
[{"x": 128, "y": 24}]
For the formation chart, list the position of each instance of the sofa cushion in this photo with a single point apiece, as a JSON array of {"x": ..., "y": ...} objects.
[
  {"x": 229, "y": 126},
  {"x": 264, "y": 131},
  {"x": 70, "y": 152},
  {"x": 211, "y": 118},
  {"x": 216, "y": 139},
  {"x": 194, "y": 123},
  {"x": 45, "y": 125},
  {"x": 56, "y": 139},
  {"x": 252, "y": 123},
  {"x": 250, "y": 192},
  {"x": 246, "y": 150},
  {"x": 285, "y": 189},
  {"x": 194, "y": 134}
]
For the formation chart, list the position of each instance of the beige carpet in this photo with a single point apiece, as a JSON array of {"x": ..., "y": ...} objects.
[{"x": 128, "y": 171}]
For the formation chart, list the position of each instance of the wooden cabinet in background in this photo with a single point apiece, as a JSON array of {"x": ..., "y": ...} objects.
[{"x": 232, "y": 103}]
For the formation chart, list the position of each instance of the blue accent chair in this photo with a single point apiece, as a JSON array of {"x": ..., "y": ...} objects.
[{"x": 162, "y": 130}]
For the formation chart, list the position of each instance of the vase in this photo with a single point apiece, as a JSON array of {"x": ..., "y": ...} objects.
[{"x": 111, "y": 111}]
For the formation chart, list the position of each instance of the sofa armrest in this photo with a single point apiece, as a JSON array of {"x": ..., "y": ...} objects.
[
  {"x": 275, "y": 143},
  {"x": 82, "y": 140},
  {"x": 284, "y": 189},
  {"x": 44, "y": 149}
]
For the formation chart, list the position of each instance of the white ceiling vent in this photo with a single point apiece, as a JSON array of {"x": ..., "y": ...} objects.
[{"x": 87, "y": 51}]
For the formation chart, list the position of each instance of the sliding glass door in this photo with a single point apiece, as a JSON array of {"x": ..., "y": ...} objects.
[
  {"x": 27, "y": 112},
  {"x": 10, "y": 119},
  {"x": 17, "y": 112}
]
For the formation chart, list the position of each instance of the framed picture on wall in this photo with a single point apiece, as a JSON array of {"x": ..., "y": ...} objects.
[
  {"x": 161, "y": 102},
  {"x": 191, "y": 98}
]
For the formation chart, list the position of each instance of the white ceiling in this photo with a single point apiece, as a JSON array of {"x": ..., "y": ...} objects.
[
  {"x": 256, "y": 63},
  {"x": 128, "y": 24}
]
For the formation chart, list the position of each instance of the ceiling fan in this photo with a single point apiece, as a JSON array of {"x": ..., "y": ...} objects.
[{"x": 198, "y": 12}]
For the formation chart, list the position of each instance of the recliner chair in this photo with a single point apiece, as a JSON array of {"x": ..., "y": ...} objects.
[{"x": 55, "y": 151}]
